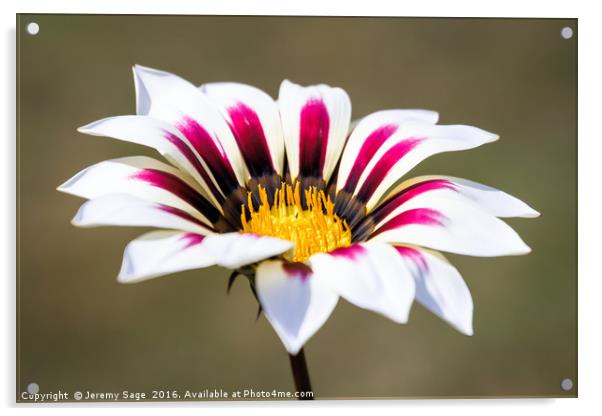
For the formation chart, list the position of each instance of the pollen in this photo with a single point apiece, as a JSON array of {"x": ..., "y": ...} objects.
[{"x": 311, "y": 224}]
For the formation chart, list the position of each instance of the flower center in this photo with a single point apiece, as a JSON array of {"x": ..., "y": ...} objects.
[{"x": 311, "y": 223}]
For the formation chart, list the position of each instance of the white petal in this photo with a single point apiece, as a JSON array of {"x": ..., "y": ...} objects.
[
  {"x": 115, "y": 176},
  {"x": 234, "y": 250},
  {"x": 492, "y": 200},
  {"x": 496, "y": 202},
  {"x": 160, "y": 135},
  {"x": 371, "y": 276},
  {"x": 229, "y": 95},
  {"x": 395, "y": 158},
  {"x": 370, "y": 133},
  {"x": 334, "y": 114},
  {"x": 143, "y": 99},
  {"x": 162, "y": 252},
  {"x": 127, "y": 210},
  {"x": 454, "y": 224},
  {"x": 170, "y": 98},
  {"x": 440, "y": 288},
  {"x": 293, "y": 301}
]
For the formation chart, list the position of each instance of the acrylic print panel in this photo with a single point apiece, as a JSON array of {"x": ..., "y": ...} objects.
[{"x": 404, "y": 318}]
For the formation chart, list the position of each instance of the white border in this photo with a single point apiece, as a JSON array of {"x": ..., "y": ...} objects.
[
  {"x": 309, "y": 7},
  {"x": 590, "y": 278}
]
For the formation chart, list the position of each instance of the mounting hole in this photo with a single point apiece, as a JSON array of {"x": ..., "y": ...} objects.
[
  {"x": 33, "y": 28},
  {"x": 566, "y": 32},
  {"x": 33, "y": 388},
  {"x": 566, "y": 384}
]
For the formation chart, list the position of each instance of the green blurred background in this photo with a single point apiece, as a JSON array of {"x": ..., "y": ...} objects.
[{"x": 79, "y": 329}]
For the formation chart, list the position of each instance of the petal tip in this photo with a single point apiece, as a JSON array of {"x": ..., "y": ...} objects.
[
  {"x": 125, "y": 279},
  {"x": 78, "y": 218},
  {"x": 401, "y": 320},
  {"x": 87, "y": 128},
  {"x": 137, "y": 68},
  {"x": 434, "y": 116},
  {"x": 287, "y": 85},
  {"x": 521, "y": 251},
  {"x": 69, "y": 183},
  {"x": 492, "y": 137},
  {"x": 64, "y": 187},
  {"x": 136, "y": 71},
  {"x": 127, "y": 268},
  {"x": 465, "y": 328},
  {"x": 292, "y": 346},
  {"x": 532, "y": 213},
  {"x": 483, "y": 135},
  {"x": 126, "y": 273},
  {"x": 142, "y": 72}
]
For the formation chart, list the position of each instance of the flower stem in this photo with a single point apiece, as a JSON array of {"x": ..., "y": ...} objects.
[{"x": 301, "y": 375}]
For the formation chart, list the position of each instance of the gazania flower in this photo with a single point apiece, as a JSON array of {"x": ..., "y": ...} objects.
[{"x": 292, "y": 195}]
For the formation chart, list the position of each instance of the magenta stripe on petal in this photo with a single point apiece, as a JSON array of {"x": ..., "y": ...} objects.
[
  {"x": 352, "y": 252},
  {"x": 195, "y": 162},
  {"x": 297, "y": 270},
  {"x": 408, "y": 193},
  {"x": 313, "y": 137},
  {"x": 417, "y": 216},
  {"x": 250, "y": 137},
  {"x": 192, "y": 239},
  {"x": 182, "y": 214},
  {"x": 212, "y": 153},
  {"x": 178, "y": 187},
  {"x": 384, "y": 165},
  {"x": 369, "y": 148},
  {"x": 413, "y": 254}
]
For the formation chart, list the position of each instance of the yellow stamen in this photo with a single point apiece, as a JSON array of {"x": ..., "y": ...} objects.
[{"x": 315, "y": 229}]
